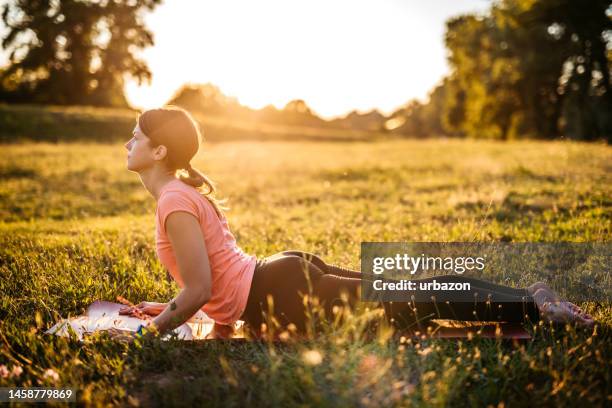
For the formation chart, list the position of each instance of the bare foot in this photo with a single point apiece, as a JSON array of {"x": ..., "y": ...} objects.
[
  {"x": 559, "y": 311},
  {"x": 554, "y": 297},
  {"x": 541, "y": 285}
]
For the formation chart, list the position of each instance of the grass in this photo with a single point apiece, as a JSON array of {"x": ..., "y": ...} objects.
[
  {"x": 76, "y": 227},
  {"x": 48, "y": 123}
]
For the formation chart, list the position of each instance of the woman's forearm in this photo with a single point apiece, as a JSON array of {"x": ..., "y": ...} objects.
[{"x": 180, "y": 309}]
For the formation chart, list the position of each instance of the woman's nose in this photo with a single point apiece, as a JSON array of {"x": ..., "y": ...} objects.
[{"x": 128, "y": 144}]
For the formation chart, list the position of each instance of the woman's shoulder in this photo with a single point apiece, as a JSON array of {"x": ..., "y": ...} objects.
[
  {"x": 177, "y": 188},
  {"x": 178, "y": 194}
]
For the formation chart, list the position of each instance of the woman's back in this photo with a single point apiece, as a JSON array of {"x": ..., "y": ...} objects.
[{"x": 231, "y": 268}]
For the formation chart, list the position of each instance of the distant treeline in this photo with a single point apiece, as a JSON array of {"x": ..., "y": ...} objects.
[
  {"x": 525, "y": 69},
  {"x": 208, "y": 99}
]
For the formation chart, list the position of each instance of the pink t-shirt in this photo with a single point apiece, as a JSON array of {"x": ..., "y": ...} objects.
[{"x": 231, "y": 268}]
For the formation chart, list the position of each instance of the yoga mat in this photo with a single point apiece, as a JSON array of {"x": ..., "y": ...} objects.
[
  {"x": 457, "y": 329},
  {"x": 102, "y": 315}
]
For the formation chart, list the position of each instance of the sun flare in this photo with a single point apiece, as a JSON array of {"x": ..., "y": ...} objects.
[{"x": 337, "y": 56}]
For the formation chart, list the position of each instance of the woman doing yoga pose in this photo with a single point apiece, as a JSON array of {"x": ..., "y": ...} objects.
[{"x": 195, "y": 244}]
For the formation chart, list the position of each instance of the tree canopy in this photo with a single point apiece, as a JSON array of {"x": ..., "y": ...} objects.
[
  {"x": 71, "y": 52},
  {"x": 527, "y": 68}
]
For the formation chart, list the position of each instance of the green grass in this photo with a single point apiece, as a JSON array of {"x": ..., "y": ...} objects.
[{"x": 76, "y": 227}]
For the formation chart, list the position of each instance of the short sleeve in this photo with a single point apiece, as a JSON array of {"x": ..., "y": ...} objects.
[{"x": 173, "y": 201}]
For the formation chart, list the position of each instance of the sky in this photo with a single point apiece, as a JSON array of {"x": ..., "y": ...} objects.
[{"x": 337, "y": 55}]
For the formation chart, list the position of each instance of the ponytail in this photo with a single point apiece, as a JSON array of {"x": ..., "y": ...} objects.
[{"x": 197, "y": 180}]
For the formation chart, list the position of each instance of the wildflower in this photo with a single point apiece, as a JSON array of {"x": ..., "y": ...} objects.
[
  {"x": 403, "y": 386},
  {"x": 51, "y": 374},
  {"x": 429, "y": 375},
  {"x": 16, "y": 371},
  {"x": 312, "y": 357},
  {"x": 284, "y": 336},
  {"x": 4, "y": 372},
  {"x": 369, "y": 363},
  {"x": 401, "y": 389},
  {"x": 425, "y": 351}
]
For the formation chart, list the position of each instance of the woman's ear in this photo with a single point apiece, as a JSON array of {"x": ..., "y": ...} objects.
[{"x": 160, "y": 152}]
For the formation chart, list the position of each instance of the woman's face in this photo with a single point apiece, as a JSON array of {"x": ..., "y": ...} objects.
[{"x": 140, "y": 153}]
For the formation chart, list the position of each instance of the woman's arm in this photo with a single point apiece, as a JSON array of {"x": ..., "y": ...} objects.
[{"x": 189, "y": 248}]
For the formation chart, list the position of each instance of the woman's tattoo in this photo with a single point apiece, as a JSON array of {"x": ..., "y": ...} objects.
[{"x": 172, "y": 306}]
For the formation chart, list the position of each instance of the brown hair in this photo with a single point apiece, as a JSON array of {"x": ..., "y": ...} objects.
[{"x": 176, "y": 129}]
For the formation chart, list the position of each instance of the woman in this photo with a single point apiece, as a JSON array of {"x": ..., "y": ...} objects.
[{"x": 195, "y": 244}]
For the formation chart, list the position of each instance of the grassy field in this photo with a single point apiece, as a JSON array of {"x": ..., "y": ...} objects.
[
  {"x": 48, "y": 123},
  {"x": 76, "y": 227}
]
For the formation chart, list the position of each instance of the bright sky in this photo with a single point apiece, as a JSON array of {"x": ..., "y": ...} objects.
[{"x": 337, "y": 55}]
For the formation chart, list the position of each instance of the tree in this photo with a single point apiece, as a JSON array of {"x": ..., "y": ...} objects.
[
  {"x": 565, "y": 70},
  {"x": 483, "y": 99},
  {"x": 531, "y": 68},
  {"x": 73, "y": 52},
  {"x": 417, "y": 119},
  {"x": 206, "y": 99}
]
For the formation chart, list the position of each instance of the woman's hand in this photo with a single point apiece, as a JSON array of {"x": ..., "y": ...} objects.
[{"x": 148, "y": 308}]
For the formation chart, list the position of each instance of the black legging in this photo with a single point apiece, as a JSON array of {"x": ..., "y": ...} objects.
[{"x": 282, "y": 276}]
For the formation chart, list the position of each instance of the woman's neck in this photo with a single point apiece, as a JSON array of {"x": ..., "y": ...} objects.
[{"x": 154, "y": 179}]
